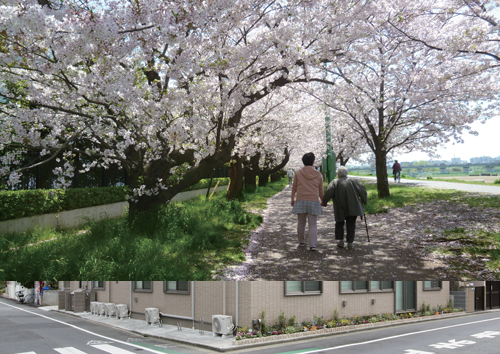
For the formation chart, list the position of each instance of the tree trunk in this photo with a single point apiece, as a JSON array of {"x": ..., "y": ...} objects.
[
  {"x": 342, "y": 160},
  {"x": 251, "y": 171},
  {"x": 236, "y": 176},
  {"x": 381, "y": 168},
  {"x": 149, "y": 175},
  {"x": 264, "y": 174},
  {"x": 275, "y": 177},
  {"x": 263, "y": 178}
]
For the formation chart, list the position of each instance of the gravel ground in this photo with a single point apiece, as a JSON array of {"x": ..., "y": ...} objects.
[{"x": 400, "y": 247}]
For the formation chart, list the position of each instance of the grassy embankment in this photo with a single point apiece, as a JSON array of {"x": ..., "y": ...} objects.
[
  {"x": 452, "y": 179},
  {"x": 184, "y": 241}
]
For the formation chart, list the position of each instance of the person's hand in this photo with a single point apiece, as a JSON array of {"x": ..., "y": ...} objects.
[{"x": 293, "y": 202}]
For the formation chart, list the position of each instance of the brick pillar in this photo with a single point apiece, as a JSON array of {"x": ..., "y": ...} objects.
[
  {"x": 79, "y": 301},
  {"x": 67, "y": 300},
  {"x": 61, "y": 300}
]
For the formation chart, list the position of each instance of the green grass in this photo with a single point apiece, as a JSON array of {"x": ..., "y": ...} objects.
[
  {"x": 476, "y": 244},
  {"x": 183, "y": 241},
  {"x": 402, "y": 195}
]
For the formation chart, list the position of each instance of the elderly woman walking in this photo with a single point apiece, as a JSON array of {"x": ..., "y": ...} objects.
[
  {"x": 308, "y": 186},
  {"x": 349, "y": 198}
]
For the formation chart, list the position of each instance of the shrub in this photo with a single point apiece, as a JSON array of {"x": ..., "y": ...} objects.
[
  {"x": 373, "y": 319},
  {"x": 203, "y": 184},
  {"x": 497, "y": 181},
  {"x": 344, "y": 322},
  {"x": 290, "y": 329},
  {"x": 425, "y": 308},
  {"x": 335, "y": 316},
  {"x": 263, "y": 325},
  {"x": 282, "y": 320},
  {"x": 25, "y": 203},
  {"x": 292, "y": 321},
  {"x": 319, "y": 321}
]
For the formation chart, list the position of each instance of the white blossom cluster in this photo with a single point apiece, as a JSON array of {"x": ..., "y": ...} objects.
[{"x": 164, "y": 89}]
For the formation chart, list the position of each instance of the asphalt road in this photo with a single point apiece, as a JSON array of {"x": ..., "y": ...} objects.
[
  {"x": 477, "y": 333},
  {"x": 29, "y": 330}
]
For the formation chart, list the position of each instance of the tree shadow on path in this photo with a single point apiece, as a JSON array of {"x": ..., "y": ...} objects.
[{"x": 276, "y": 255}]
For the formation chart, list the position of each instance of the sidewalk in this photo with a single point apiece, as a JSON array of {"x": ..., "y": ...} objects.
[
  {"x": 224, "y": 344},
  {"x": 168, "y": 332}
]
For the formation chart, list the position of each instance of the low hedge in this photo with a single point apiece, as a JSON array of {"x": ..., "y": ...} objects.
[
  {"x": 19, "y": 204},
  {"x": 24, "y": 203},
  {"x": 224, "y": 181}
]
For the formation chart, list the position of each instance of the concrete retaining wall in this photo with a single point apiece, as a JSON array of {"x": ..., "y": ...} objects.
[
  {"x": 50, "y": 297},
  {"x": 77, "y": 217}
]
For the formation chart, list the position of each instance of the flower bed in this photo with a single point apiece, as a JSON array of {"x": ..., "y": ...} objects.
[{"x": 308, "y": 328}]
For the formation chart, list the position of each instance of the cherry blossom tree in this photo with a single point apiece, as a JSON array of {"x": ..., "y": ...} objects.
[
  {"x": 157, "y": 87},
  {"x": 401, "y": 95},
  {"x": 467, "y": 27}
]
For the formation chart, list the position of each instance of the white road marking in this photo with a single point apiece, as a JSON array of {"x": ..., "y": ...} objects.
[
  {"x": 398, "y": 336},
  {"x": 68, "y": 350},
  {"x": 487, "y": 334},
  {"x": 83, "y": 330},
  {"x": 452, "y": 344},
  {"x": 110, "y": 349}
]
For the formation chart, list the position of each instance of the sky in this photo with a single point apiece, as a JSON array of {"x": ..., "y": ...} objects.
[{"x": 486, "y": 143}]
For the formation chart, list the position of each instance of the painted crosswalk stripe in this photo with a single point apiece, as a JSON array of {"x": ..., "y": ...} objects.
[
  {"x": 110, "y": 349},
  {"x": 68, "y": 350},
  {"x": 27, "y": 353}
]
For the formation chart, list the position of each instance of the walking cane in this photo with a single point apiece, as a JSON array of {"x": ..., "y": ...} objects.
[{"x": 367, "y": 229}]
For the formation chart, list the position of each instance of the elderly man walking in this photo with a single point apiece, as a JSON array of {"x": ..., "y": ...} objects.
[{"x": 349, "y": 198}]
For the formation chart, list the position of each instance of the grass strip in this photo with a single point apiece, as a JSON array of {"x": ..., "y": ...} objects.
[{"x": 182, "y": 241}]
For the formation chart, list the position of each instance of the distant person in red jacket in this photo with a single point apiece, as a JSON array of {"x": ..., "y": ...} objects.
[{"x": 395, "y": 169}]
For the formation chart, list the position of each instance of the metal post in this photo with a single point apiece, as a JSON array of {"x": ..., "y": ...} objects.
[
  {"x": 201, "y": 325},
  {"x": 329, "y": 163},
  {"x": 329, "y": 167}
]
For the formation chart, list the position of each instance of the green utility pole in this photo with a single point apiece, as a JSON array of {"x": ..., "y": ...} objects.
[{"x": 329, "y": 167}]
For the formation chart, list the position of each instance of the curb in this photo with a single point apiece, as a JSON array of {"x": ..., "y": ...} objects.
[{"x": 278, "y": 339}]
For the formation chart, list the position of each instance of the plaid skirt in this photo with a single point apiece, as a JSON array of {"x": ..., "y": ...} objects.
[{"x": 306, "y": 206}]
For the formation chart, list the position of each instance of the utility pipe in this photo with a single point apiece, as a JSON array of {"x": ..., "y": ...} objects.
[
  {"x": 224, "y": 298},
  {"x": 237, "y": 303},
  {"x": 192, "y": 309}
]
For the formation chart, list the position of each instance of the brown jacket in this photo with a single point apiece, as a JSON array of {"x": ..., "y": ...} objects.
[{"x": 308, "y": 185}]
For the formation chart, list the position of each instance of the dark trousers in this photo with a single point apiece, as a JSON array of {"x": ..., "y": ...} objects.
[{"x": 351, "y": 228}]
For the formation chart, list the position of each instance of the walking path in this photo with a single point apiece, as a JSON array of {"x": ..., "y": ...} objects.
[{"x": 397, "y": 249}]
